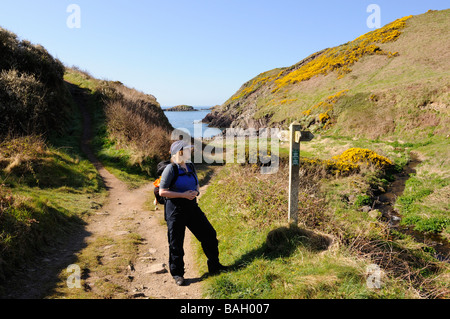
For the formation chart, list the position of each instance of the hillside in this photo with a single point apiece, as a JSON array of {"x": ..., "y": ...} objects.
[{"x": 393, "y": 81}]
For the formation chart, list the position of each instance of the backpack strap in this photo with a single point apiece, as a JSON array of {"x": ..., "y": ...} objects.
[{"x": 175, "y": 176}]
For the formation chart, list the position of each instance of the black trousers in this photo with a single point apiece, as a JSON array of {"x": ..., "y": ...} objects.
[{"x": 180, "y": 213}]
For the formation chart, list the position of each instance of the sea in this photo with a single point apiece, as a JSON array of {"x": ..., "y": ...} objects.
[{"x": 185, "y": 121}]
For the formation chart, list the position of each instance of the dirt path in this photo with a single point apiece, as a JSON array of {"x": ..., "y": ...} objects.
[{"x": 124, "y": 213}]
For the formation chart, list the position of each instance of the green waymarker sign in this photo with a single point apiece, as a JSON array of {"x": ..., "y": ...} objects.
[
  {"x": 295, "y": 137},
  {"x": 295, "y": 157}
]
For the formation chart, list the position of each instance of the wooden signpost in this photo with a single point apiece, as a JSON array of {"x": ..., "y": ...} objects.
[{"x": 295, "y": 137}]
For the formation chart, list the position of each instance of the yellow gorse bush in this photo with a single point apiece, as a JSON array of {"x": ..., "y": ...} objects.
[
  {"x": 326, "y": 104},
  {"x": 323, "y": 111},
  {"x": 331, "y": 166},
  {"x": 363, "y": 156},
  {"x": 252, "y": 86},
  {"x": 287, "y": 101},
  {"x": 348, "y": 162},
  {"x": 331, "y": 100},
  {"x": 342, "y": 57},
  {"x": 324, "y": 117}
]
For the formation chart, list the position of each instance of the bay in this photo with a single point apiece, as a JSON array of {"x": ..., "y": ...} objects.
[{"x": 185, "y": 121}]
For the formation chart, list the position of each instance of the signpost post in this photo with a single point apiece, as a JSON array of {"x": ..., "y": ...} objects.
[
  {"x": 294, "y": 166},
  {"x": 295, "y": 137}
]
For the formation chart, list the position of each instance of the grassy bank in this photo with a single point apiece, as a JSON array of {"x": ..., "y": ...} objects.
[
  {"x": 337, "y": 243},
  {"x": 46, "y": 191},
  {"x": 424, "y": 203},
  {"x": 46, "y": 185}
]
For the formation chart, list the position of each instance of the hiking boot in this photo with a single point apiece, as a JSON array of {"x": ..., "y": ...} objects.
[
  {"x": 179, "y": 280},
  {"x": 217, "y": 269}
]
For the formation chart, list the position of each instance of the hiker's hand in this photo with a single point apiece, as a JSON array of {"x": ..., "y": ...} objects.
[{"x": 190, "y": 195}]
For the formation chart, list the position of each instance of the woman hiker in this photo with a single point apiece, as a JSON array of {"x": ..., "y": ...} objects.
[{"x": 181, "y": 210}]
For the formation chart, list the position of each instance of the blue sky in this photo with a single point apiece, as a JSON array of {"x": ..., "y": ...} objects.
[{"x": 194, "y": 52}]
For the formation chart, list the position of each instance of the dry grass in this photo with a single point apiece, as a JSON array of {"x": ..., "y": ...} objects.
[
  {"x": 407, "y": 265},
  {"x": 137, "y": 131},
  {"x": 129, "y": 127},
  {"x": 21, "y": 152},
  {"x": 135, "y": 121},
  {"x": 33, "y": 98}
]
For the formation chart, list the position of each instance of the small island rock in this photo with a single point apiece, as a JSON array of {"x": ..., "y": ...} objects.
[{"x": 181, "y": 108}]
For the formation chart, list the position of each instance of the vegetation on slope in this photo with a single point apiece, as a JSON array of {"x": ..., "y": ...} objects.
[
  {"x": 131, "y": 133},
  {"x": 341, "y": 58},
  {"x": 392, "y": 82},
  {"x": 46, "y": 185},
  {"x": 33, "y": 97}
]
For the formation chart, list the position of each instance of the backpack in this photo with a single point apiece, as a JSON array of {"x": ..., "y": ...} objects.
[{"x": 160, "y": 169}]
